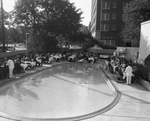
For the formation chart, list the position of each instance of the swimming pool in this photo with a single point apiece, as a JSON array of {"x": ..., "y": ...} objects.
[{"x": 65, "y": 92}]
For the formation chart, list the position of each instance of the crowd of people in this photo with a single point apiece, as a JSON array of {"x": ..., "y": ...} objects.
[
  {"x": 125, "y": 70},
  {"x": 20, "y": 63}
]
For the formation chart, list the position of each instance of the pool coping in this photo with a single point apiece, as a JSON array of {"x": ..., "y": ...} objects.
[{"x": 116, "y": 92}]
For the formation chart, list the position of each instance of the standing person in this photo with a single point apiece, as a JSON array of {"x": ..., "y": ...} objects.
[
  {"x": 10, "y": 64},
  {"x": 128, "y": 74}
]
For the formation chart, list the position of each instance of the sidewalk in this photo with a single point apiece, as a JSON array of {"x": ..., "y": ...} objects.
[{"x": 134, "y": 104}]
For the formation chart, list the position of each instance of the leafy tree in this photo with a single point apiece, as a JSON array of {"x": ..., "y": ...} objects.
[
  {"x": 79, "y": 36},
  {"x": 138, "y": 11},
  {"x": 6, "y": 22},
  {"x": 45, "y": 19},
  {"x": 13, "y": 34}
]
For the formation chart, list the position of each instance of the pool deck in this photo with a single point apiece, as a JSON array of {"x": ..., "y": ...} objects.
[{"x": 134, "y": 104}]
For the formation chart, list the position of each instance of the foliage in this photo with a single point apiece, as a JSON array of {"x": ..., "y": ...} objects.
[
  {"x": 82, "y": 37},
  {"x": 47, "y": 19},
  {"x": 6, "y": 22},
  {"x": 138, "y": 11},
  {"x": 143, "y": 71},
  {"x": 104, "y": 46},
  {"x": 13, "y": 34}
]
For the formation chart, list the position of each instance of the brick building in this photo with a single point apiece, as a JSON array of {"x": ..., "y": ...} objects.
[{"x": 106, "y": 21}]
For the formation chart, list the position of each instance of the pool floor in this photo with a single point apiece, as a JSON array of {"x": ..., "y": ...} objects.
[{"x": 63, "y": 91}]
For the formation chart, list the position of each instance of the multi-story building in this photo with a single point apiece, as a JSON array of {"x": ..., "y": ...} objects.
[{"x": 106, "y": 21}]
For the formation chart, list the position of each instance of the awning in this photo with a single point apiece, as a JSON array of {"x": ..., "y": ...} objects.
[
  {"x": 102, "y": 51},
  {"x": 75, "y": 47},
  {"x": 121, "y": 50}
]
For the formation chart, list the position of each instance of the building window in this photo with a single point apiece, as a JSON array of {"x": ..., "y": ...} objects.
[
  {"x": 107, "y": 37},
  {"x": 105, "y": 16},
  {"x": 113, "y": 27},
  {"x": 112, "y": 43},
  {"x": 106, "y": 5},
  {"x": 114, "y": 5},
  {"x": 103, "y": 37},
  {"x": 105, "y": 27},
  {"x": 104, "y": 42},
  {"x": 125, "y": 4},
  {"x": 114, "y": 16},
  {"x": 107, "y": 42}
]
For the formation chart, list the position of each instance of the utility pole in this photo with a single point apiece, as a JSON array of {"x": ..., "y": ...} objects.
[
  {"x": 3, "y": 28},
  {"x": 27, "y": 43}
]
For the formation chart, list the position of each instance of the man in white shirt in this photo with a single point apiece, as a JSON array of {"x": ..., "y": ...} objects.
[
  {"x": 128, "y": 74},
  {"x": 10, "y": 64}
]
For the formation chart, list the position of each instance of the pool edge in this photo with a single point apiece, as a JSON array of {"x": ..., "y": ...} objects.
[{"x": 116, "y": 99}]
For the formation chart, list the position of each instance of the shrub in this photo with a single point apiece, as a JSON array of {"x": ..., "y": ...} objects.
[{"x": 143, "y": 71}]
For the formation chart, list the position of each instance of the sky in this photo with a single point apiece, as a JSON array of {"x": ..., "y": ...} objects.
[
  {"x": 8, "y": 5},
  {"x": 84, "y": 5}
]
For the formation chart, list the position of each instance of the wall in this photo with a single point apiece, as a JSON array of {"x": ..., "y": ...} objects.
[
  {"x": 129, "y": 52},
  {"x": 144, "y": 49},
  {"x": 132, "y": 53}
]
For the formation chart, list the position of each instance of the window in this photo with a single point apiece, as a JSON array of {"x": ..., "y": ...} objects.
[
  {"x": 103, "y": 37},
  {"x": 112, "y": 43},
  {"x": 106, "y": 5},
  {"x": 113, "y": 27},
  {"x": 114, "y": 5},
  {"x": 125, "y": 4},
  {"x": 105, "y": 27},
  {"x": 104, "y": 42},
  {"x": 105, "y": 16},
  {"x": 107, "y": 37},
  {"x": 114, "y": 16}
]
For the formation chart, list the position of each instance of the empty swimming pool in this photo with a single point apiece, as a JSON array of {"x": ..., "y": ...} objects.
[{"x": 70, "y": 91}]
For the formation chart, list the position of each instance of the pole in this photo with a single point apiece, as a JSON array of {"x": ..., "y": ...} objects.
[
  {"x": 101, "y": 21},
  {"x": 3, "y": 28},
  {"x": 27, "y": 43}
]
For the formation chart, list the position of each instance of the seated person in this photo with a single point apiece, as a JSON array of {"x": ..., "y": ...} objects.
[
  {"x": 51, "y": 59},
  {"x": 33, "y": 63},
  {"x": 57, "y": 57},
  {"x": 71, "y": 58},
  {"x": 4, "y": 71},
  {"x": 38, "y": 61},
  {"x": 24, "y": 65},
  {"x": 91, "y": 59},
  {"x": 17, "y": 67}
]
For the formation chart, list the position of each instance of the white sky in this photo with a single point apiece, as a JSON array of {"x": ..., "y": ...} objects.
[
  {"x": 8, "y": 5},
  {"x": 84, "y": 5}
]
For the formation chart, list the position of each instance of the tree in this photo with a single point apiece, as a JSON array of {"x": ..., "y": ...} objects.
[
  {"x": 138, "y": 11},
  {"x": 6, "y": 22},
  {"x": 47, "y": 19},
  {"x": 82, "y": 37},
  {"x": 13, "y": 35}
]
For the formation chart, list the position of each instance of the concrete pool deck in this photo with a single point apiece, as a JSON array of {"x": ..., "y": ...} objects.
[{"x": 134, "y": 104}]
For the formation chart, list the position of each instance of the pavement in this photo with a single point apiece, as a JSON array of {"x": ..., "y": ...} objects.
[{"x": 134, "y": 104}]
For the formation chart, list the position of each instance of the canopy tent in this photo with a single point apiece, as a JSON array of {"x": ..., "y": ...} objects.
[
  {"x": 75, "y": 47},
  {"x": 96, "y": 48},
  {"x": 100, "y": 50},
  {"x": 121, "y": 51}
]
